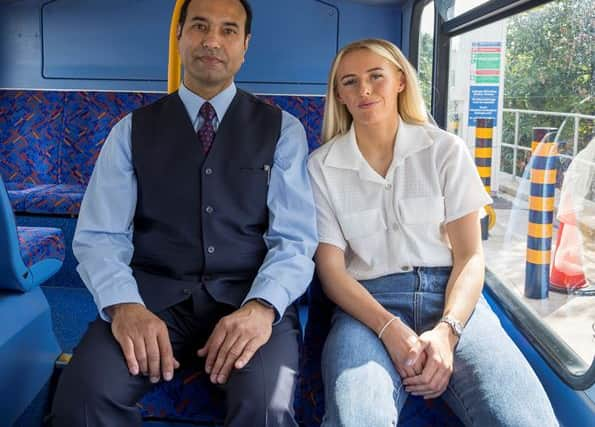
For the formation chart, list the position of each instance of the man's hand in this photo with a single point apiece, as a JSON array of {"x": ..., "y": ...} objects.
[
  {"x": 439, "y": 344},
  {"x": 144, "y": 340},
  {"x": 404, "y": 348},
  {"x": 235, "y": 339}
]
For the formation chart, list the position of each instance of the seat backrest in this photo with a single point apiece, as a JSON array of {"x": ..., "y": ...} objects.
[{"x": 14, "y": 275}]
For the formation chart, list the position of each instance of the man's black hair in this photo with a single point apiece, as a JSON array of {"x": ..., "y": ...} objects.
[{"x": 245, "y": 4}]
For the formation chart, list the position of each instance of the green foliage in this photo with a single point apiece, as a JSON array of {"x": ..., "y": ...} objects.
[
  {"x": 549, "y": 67},
  {"x": 425, "y": 67},
  {"x": 549, "y": 58}
]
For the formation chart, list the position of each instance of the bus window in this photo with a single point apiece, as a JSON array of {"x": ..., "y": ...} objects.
[
  {"x": 521, "y": 94},
  {"x": 458, "y": 7},
  {"x": 426, "y": 53}
]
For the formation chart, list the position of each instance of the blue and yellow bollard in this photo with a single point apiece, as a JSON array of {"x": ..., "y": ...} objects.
[
  {"x": 538, "y": 135},
  {"x": 544, "y": 164},
  {"x": 483, "y": 161}
]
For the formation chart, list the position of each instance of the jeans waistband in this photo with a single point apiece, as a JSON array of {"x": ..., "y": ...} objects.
[{"x": 419, "y": 279}]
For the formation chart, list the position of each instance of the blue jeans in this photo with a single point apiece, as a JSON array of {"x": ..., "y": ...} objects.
[{"x": 492, "y": 384}]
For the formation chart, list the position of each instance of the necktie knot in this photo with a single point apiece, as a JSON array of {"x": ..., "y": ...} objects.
[{"x": 207, "y": 112}]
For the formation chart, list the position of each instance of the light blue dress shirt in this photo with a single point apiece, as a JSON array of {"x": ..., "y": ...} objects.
[{"x": 103, "y": 237}]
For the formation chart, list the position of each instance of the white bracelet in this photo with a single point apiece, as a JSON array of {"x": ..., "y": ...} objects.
[{"x": 386, "y": 325}]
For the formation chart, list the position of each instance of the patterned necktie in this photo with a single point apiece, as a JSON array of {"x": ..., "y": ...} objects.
[{"x": 206, "y": 133}]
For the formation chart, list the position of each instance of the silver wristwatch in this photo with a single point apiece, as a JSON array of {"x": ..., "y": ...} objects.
[{"x": 455, "y": 326}]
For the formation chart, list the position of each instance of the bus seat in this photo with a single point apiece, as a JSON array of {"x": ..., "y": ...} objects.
[
  {"x": 28, "y": 347},
  {"x": 28, "y": 255},
  {"x": 189, "y": 397}
]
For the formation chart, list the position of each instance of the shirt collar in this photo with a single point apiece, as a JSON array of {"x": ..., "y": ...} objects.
[
  {"x": 345, "y": 154},
  {"x": 220, "y": 102}
]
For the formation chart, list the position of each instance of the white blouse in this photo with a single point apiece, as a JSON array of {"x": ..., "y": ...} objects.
[{"x": 389, "y": 225}]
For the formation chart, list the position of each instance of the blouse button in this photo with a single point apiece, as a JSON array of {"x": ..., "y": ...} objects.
[{"x": 388, "y": 186}]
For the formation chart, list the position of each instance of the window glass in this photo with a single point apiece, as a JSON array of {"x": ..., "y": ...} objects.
[
  {"x": 449, "y": 9},
  {"x": 521, "y": 94},
  {"x": 426, "y": 54}
]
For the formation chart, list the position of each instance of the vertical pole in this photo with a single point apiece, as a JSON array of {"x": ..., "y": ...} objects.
[
  {"x": 483, "y": 161},
  {"x": 541, "y": 213},
  {"x": 174, "y": 64},
  {"x": 516, "y": 145}
]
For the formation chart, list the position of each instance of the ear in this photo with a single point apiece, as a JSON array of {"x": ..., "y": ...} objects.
[
  {"x": 247, "y": 42},
  {"x": 179, "y": 32},
  {"x": 402, "y": 83},
  {"x": 339, "y": 97}
]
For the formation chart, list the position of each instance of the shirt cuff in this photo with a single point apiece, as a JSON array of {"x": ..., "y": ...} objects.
[
  {"x": 272, "y": 293},
  {"x": 333, "y": 241},
  {"x": 116, "y": 295}
]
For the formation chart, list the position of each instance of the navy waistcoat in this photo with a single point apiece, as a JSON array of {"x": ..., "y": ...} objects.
[{"x": 201, "y": 219}]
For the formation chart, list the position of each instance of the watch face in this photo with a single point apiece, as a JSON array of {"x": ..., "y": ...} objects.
[{"x": 457, "y": 327}]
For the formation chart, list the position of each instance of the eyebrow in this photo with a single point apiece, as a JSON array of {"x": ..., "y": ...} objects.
[
  {"x": 368, "y": 71},
  {"x": 225, "y": 24}
]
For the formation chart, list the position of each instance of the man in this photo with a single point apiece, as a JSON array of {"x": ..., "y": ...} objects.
[{"x": 195, "y": 236}]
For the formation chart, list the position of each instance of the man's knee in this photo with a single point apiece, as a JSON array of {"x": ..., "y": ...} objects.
[
  {"x": 266, "y": 402},
  {"x": 75, "y": 397}
]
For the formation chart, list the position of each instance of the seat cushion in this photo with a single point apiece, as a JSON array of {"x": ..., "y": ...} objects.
[
  {"x": 188, "y": 397},
  {"x": 19, "y": 192},
  {"x": 59, "y": 199},
  {"x": 40, "y": 243}
]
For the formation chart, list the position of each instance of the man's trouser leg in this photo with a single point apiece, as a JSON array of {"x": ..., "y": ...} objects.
[
  {"x": 96, "y": 388},
  {"x": 262, "y": 393}
]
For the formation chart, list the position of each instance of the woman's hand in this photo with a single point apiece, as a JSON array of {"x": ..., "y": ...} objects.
[
  {"x": 438, "y": 344},
  {"x": 405, "y": 349}
]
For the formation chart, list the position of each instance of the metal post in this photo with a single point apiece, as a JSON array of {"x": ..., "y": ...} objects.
[
  {"x": 516, "y": 144},
  {"x": 575, "y": 140},
  {"x": 541, "y": 213}
]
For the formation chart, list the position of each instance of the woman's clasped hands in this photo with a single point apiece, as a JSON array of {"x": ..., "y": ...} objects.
[{"x": 424, "y": 362}]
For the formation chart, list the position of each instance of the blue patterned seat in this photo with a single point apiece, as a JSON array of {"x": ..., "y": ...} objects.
[
  {"x": 37, "y": 244},
  {"x": 189, "y": 397},
  {"x": 49, "y": 141},
  {"x": 28, "y": 256}
]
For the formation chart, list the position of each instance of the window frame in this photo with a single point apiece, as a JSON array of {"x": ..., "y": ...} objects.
[{"x": 569, "y": 367}]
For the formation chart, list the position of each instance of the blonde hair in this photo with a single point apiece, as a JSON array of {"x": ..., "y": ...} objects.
[{"x": 337, "y": 119}]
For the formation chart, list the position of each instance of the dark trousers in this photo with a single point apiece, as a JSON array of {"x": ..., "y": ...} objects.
[{"x": 96, "y": 388}]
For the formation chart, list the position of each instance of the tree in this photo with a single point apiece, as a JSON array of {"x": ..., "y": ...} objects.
[
  {"x": 549, "y": 58},
  {"x": 549, "y": 64}
]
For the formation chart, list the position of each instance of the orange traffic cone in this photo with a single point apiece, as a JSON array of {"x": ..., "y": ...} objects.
[{"x": 567, "y": 273}]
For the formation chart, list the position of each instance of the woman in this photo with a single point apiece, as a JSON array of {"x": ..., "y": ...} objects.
[{"x": 400, "y": 253}]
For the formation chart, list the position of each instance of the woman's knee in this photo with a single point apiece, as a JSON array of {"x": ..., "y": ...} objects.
[{"x": 362, "y": 395}]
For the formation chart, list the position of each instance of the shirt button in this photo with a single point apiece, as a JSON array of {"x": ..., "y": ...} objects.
[
  {"x": 209, "y": 209},
  {"x": 187, "y": 291},
  {"x": 211, "y": 249},
  {"x": 388, "y": 186},
  {"x": 406, "y": 268},
  {"x": 208, "y": 171}
]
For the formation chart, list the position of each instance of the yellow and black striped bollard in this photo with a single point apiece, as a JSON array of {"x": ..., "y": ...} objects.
[
  {"x": 544, "y": 163},
  {"x": 483, "y": 161}
]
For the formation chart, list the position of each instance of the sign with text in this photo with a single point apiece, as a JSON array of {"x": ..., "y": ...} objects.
[
  {"x": 485, "y": 62},
  {"x": 483, "y": 103}
]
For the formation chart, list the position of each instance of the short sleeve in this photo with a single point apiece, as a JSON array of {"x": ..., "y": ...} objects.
[
  {"x": 461, "y": 185},
  {"x": 329, "y": 230}
]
